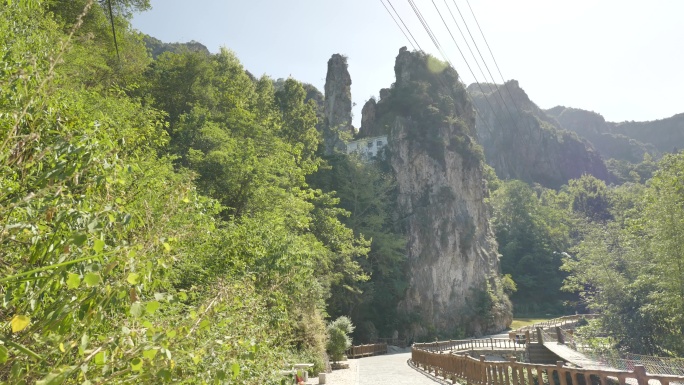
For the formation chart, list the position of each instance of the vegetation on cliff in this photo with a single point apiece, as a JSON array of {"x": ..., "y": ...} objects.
[{"x": 156, "y": 221}]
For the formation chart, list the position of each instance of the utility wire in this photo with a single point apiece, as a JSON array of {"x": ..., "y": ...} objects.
[
  {"x": 469, "y": 67},
  {"x": 481, "y": 57},
  {"x": 493, "y": 58},
  {"x": 432, "y": 37},
  {"x": 402, "y": 22},
  {"x": 427, "y": 28},
  {"x": 397, "y": 23},
  {"x": 467, "y": 44}
]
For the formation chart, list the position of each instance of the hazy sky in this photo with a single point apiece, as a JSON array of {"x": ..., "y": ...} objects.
[{"x": 621, "y": 58}]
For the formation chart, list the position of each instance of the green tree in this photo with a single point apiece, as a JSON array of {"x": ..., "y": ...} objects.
[
  {"x": 120, "y": 260},
  {"x": 630, "y": 269},
  {"x": 590, "y": 197},
  {"x": 531, "y": 234},
  {"x": 367, "y": 191}
]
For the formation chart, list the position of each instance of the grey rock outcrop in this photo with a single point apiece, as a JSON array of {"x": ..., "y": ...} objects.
[
  {"x": 453, "y": 278},
  {"x": 521, "y": 142},
  {"x": 369, "y": 124},
  {"x": 338, "y": 104}
]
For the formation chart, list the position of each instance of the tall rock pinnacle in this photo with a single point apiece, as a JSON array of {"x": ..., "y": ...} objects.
[{"x": 338, "y": 104}]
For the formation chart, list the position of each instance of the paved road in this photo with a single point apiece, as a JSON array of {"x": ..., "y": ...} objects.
[{"x": 390, "y": 369}]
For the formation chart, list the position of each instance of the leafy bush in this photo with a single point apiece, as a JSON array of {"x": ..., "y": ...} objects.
[{"x": 338, "y": 337}]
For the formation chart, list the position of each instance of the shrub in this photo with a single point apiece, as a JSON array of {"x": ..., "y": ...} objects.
[{"x": 338, "y": 337}]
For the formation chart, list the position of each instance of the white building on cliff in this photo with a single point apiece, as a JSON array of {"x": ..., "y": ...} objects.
[{"x": 367, "y": 148}]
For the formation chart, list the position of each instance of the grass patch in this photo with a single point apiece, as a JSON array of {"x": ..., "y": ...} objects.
[{"x": 520, "y": 322}]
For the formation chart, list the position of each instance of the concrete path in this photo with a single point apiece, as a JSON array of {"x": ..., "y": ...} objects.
[{"x": 390, "y": 369}]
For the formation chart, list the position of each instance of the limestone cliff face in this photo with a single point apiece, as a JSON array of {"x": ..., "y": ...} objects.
[
  {"x": 369, "y": 123},
  {"x": 453, "y": 279},
  {"x": 338, "y": 104},
  {"x": 522, "y": 142}
]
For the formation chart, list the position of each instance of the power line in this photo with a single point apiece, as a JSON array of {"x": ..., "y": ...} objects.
[
  {"x": 468, "y": 65},
  {"x": 494, "y": 59},
  {"x": 427, "y": 28},
  {"x": 434, "y": 40},
  {"x": 481, "y": 57},
  {"x": 465, "y": 40},
  {"x": 402, "y": 22},
  {"x": 397, "y": 23}
]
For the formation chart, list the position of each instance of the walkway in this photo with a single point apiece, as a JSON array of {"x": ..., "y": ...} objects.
[
  {"x": 390, "y": 369},
  {"x": 378, "y": 370},
  {"x": 573, "y": 356}
]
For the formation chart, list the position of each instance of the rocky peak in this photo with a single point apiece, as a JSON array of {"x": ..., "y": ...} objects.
[
  {"x": 522, "y": 142},
  {"x": 452, "y": 254},
  {"x": 369, "y": 126},
  {"x": 338, "y": 104}
]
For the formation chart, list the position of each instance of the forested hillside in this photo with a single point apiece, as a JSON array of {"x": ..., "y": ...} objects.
[
  {"x": 613, "y": 250},
  {"x": 157, "y": 225}
]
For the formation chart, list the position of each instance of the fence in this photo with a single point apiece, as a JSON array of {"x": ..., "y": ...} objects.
[
  {"x": 481, "y": 372},
  {"x": 366, "y": 350},
  {"x": 560, "y": 322},
  {"x": 475, "y": 344},
  {"x": 393, "y": 341},
  {"x": 627, "y": 361},
  {"x": 607, "y": 357}
]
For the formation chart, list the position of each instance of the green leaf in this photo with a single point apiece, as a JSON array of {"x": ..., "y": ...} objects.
[
  {"x": 136, "y": 309},
  {"x": 19, "y": 323},
  {"x": 149, "y": 354},
  {"x": 136, "y": 364},
  {"x": 152, "y": 307},
  {"x": 164, "y": 375},
  {"x": 98, "y": 245},
  {"x": 100, "y": 358},
  {"x": 167, "y": 247},
  {"x": 79, "y": 239},
  {"x": 92, "y": 279},
  {"x": 54, "y": 378},
  {"x": 4, "y": 354},
  {"x": 236, "y": 369},
  {"x": 73, "y": 281},
  {"x": 133, "y": 278},
  {"x": 171, "y": 333},
  {"x": 204, "y": 324}
]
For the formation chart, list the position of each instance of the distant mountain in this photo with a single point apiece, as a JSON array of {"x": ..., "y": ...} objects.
[
  {"x": 157, "y": 47},
  {"x": 521, "y": 141},
  {"x": 603, "y": 135},
  {"x": 665, "y": 134}
]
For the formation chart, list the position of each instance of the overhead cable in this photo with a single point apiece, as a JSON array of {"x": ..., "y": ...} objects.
[
  {"x": 481, "y": 57},
  {"x": 493, "y": 58},
  {"x": 484, "y": 94},
  {"x": 402, "y": 22},
  {"x": 397, "y": 23}
]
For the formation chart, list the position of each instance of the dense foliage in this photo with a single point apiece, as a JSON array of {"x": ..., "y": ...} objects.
[
  {"x": 532, "y": 231},
  {"x": 156, "y": 224},
  {"x": 367, "y": 191},
  {"x": 630, "y": 268}
]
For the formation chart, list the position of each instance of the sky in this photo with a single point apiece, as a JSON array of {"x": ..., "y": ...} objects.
[{"x": 621, "y": 58}]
